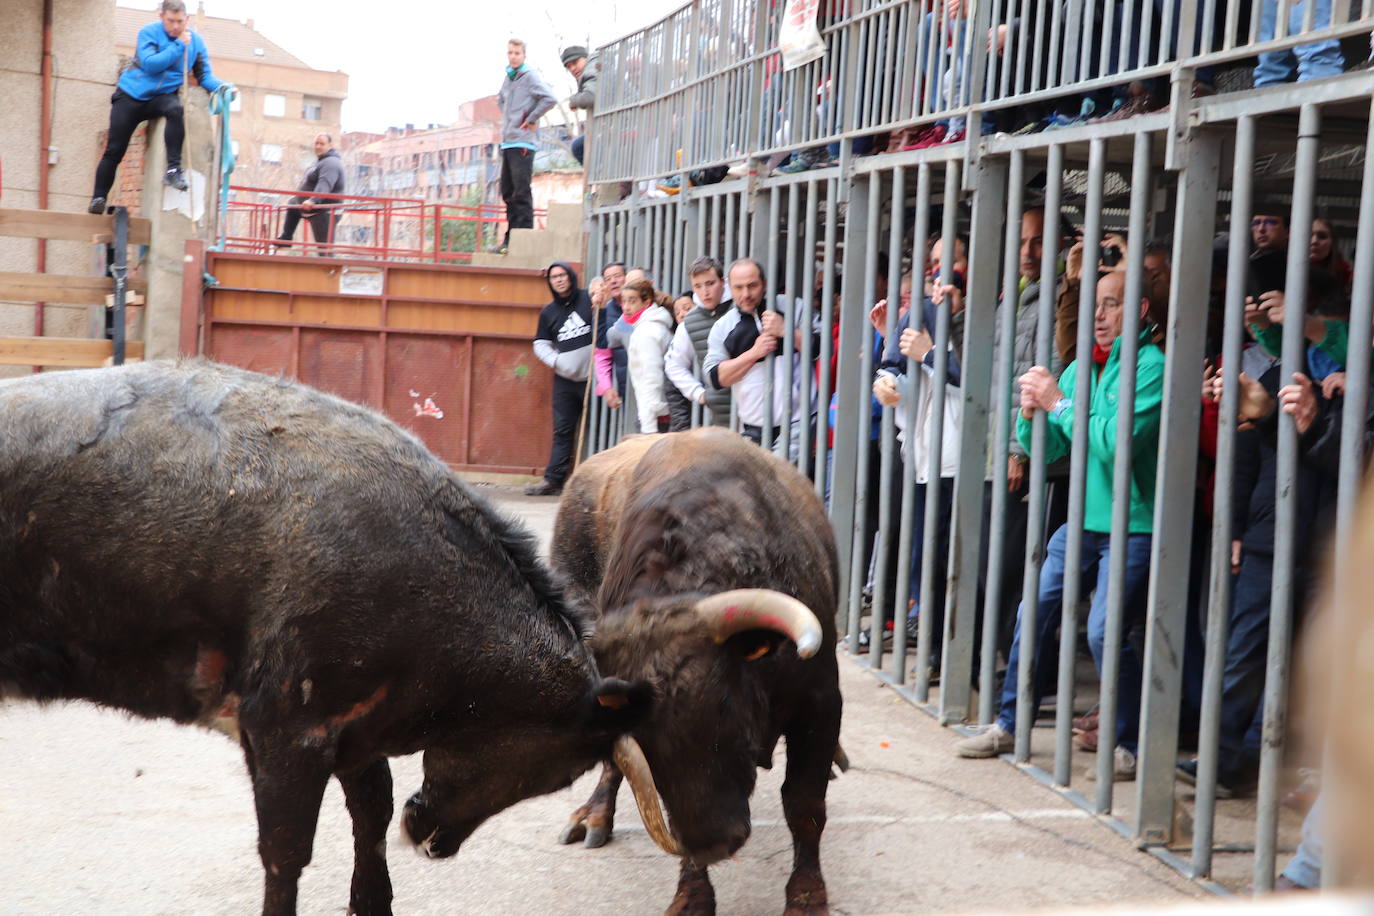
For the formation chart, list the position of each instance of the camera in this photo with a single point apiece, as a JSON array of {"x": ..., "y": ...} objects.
[{"x": 1111, "y": 255}]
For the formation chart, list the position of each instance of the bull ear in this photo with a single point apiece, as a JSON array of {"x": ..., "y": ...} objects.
[{"x": 618, "y": 706}]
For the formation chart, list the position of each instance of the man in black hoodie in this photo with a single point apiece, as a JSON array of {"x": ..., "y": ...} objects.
[
  {"x": 563, "y": 342},
  {"x": 324, "y": 177}
]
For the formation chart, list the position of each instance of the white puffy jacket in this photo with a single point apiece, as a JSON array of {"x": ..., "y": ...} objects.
[{"x": 649, "y": 343}]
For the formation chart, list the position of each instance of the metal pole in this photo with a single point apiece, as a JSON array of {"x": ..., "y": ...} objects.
[
  {"x": 997, "y": 536},
  {"x": 887, "y": 439},
  {"x": 1073, "y": 548},
  {"x": 808, "y": 361},
  {"x": 1276, "y": 681},
  {"x": 771, "y": 302},
  {"x": 1026, "y": 708},
  {"x": 827, "y": 339},
  {"x": 1176, "y": 480},
  {"x": 916, "y": 377},
  {"x": 1122, "y": 474},
  {"x": 1219, "y": 592},
  {"x": 852, "y": 420},
  {"x": 930, "y": 531}
]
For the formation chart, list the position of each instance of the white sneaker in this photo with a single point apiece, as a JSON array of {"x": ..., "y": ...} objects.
[
  {"x": 1123, "y": 765},
  {"x": 987, "y": 741}
]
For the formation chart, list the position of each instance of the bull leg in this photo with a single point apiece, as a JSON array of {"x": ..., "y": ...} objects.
[
  {"x": 595, "y": 820},
  {"x": 368, "y": 795},
  {"x": 288, "y": 784},
  {"x": 695, "y": 896},
  {"x": 811, "y": 748}
]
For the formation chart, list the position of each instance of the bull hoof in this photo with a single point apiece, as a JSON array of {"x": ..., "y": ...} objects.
[
  {"x": 573, "y": 833},
  {"x": 597, "y": 837}
]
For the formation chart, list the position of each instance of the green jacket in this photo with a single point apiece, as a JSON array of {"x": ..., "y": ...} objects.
[
  {"x": 1334, "y": 344},
  {"x": 1149, "y": 394}
]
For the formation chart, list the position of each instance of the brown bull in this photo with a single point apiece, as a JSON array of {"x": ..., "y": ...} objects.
[{"x": 712, "y": 568}]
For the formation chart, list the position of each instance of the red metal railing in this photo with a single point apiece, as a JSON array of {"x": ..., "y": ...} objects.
[{"x": 376, "y": 228}]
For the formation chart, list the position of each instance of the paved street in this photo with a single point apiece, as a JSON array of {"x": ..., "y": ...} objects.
[{"x": 103, "y": 814}]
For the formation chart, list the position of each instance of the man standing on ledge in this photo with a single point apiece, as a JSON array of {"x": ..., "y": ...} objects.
[
  {"x": 326, "y": 176},
  {"x": 164, "y": 51},
  {"x": 523, "y": 99}
]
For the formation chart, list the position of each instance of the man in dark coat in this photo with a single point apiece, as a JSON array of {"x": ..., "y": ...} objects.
[
  {"x": 563, "y": 342},
  {"x": 326, "y": 176}
]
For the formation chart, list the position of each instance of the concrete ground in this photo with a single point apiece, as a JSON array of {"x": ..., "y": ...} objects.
[{"x": 102, "y": 813}]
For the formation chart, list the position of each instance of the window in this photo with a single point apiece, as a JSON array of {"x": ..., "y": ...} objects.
[
  {"x": 274, "y": 105},
  {"x": 271, "y": 153},
  {"x": 312, "y": 109}
]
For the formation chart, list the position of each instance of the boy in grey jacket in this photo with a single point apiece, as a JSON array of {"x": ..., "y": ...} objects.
[{"x": 523, "y": 99}]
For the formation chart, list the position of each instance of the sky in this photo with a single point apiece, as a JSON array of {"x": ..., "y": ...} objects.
[{"x": 420, "y": 63}]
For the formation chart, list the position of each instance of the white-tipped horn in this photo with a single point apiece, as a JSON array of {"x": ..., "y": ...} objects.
[
  {"x": 742, "y": 609},
  {"x": 630, "y": 758}
]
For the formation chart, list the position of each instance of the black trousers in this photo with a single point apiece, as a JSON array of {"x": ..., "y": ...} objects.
[
  {"x": 517, "y": 165},
  {"x": 126, "y": 113},
  {"x": 567, "y": 412},
  {"x": 319, "y": 223}
]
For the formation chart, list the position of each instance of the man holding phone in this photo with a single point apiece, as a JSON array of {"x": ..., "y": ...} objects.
[{"x": 165, "y": 50}]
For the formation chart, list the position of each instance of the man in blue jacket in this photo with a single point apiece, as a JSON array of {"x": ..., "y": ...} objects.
[
  {"x": 523, "y": 99},
  {"x": 164, "y": 51}
]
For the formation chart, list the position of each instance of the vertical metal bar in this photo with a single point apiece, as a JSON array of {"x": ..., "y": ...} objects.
[
  {"x": 1074, "y": 35},
  {"x": 1122, "y": 479},
  {"x": 1073, "y": 547},
  {"x": 1104, "y": 60},
  {"x": 887, "y": 436},
  {"x": 997, "y": 536},
  {"x": 1357, "y": 363},
  {"x": 853, "y": 419},
  {"x": 771, "y": 302},
  {"x": 1285, "y": 510},
  {"x": 1052, "y": 64},
  {"x": 789, "y": 286},
  {"x": 976, "y": 369},
  {"x": 1039, "y": 51},
  {"x": 1026, "y": 709},
  {"x": 1171, "y": 544},
  {"x": 1219, "y": 591},
  {"x": 808, "y": 360},
  {"x": 731, "y": 252},
  {"x": 916, "y": 377},
  {"x": 827, "y": 339},
  {"x": 1334, "y": 862},
  {"x": 744, "y": 240},
  {"x": 930, "y": 530}
]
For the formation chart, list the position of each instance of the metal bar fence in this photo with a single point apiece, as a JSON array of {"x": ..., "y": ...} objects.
[{"x": 820, "y": 237}]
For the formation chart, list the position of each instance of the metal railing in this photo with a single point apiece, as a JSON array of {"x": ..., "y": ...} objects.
[
  {"x": 1177, "y": 635},
  {"x": 708, "y": 84},
  {"x": 380, "y": 228}
]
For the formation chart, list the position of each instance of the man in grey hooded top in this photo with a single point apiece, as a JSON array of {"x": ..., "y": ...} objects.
[{"x": 523, "y": 99}]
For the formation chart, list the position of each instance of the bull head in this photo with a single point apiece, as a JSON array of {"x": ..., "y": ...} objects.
[{"x": 723, "y": 615}]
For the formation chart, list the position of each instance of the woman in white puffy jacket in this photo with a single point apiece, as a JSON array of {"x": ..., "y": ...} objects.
[{"x": 648, "y": 343}]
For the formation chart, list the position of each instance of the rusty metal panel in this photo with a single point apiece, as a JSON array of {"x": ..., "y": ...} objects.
[
  {"x": 511, "y": 414},
  {"x": 345, "y": 363},
  {"x": 266, "y": 350},
  {"x": 427, "y": 390}
]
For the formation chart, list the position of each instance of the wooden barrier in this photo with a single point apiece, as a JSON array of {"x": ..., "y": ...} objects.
[{"x": 63, "y": 352}]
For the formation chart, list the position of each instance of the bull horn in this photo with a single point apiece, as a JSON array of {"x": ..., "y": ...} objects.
[
  {"x": 742, "y": 609},
  {"x": 630, "y": 759}
]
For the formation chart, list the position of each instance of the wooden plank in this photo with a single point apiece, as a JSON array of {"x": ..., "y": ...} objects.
[
  {"x": 68, "y": 227},
  {"x": 65, "y": 352},
  {"x": 59, "y": 288}
]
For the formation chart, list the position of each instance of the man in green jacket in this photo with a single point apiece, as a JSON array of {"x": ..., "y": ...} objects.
[{"x": 1040, "y": 391}]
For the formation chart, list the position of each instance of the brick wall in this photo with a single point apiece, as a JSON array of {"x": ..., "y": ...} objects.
[{"x": 128, "y": 186}]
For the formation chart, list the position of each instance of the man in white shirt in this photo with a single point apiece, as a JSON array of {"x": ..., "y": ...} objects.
[
  {"x": 689, "y": 347},
  {"x": 737, "y": 349}
]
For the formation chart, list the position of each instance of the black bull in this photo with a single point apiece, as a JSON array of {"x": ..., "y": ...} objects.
[
  {"x": 660, "y": 535},
  {"x": 204, "y": 544}
]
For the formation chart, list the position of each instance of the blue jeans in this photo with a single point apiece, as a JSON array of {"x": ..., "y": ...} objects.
[
  {"x": 1247, "y": 649},
  {"x": 1307, "y": 62},
  {"x": 1305, "y": 870},
  {"x": 1096, "y": 563}
]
